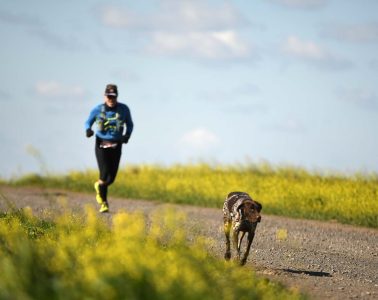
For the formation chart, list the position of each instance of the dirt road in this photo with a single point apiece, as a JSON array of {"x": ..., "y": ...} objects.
[{"x": 323, "y": 259}]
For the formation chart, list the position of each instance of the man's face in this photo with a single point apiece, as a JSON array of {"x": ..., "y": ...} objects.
[{"x": 110, "y": 101}]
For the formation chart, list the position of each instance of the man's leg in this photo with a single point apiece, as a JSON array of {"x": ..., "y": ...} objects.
[{"x": 101, "y": 185}]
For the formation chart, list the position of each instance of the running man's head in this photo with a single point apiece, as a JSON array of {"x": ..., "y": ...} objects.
[{"x": 111, "y": 94}]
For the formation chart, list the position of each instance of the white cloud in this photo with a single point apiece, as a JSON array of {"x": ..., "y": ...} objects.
[
  {"x": 175, "y": 15},
  {"x": 199, "y": 139},
  {"x": 356, "y": 33},
  {"x": 209, "y": 45},
  {"x": 305, "y": 4},
  {"x": 189, "y": 28},
  {"x": 304, "y": 49},
  {"x": 311, "y": 52},
  {"x": 360, "y": 97},
  {"x": 57, "y": 89},
  {"x": 115, "y": 17}
]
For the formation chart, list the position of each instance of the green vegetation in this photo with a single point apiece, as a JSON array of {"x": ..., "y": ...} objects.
[
  {"x": 81, "y": 257},
  {"x": 282, "y": 191}
]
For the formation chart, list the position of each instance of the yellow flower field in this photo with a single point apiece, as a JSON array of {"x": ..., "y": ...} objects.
[
  {"x": 283, "y": 191},
  {"x": 81, "y": 257}
]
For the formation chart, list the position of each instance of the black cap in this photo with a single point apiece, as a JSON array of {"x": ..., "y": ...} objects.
[{"x": 111, "y": 90}]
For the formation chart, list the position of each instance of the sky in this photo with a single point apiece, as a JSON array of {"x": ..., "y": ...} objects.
[{"x": 288, "y": 82}]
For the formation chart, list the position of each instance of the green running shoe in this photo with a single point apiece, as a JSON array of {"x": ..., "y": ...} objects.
[
  {"x": 98, "y": 196},
  {"x": 104, "y": 207}
]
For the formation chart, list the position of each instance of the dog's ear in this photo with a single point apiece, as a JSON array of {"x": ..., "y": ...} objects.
[
  {"x": 243, "y": 202},
  {"x": 258, "y": 206}
]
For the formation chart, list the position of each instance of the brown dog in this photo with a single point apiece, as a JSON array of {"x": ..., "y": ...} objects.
[{"x": 240, "y": 215}]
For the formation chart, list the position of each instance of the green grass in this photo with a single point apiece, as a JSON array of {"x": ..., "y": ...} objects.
[
  {"x": 81, "y": 257},
  {"x": 282, "y": 191}
]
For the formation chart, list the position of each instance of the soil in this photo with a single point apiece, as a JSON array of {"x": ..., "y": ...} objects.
[{"x": 322, "y": 259}]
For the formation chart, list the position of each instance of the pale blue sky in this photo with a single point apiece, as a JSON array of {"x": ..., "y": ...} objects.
[{"x": 290, "y": 82}]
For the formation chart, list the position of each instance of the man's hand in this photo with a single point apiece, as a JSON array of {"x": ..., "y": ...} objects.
[
  {"x": 89, "y": 132},
  {"x": 125, "y": 138}
]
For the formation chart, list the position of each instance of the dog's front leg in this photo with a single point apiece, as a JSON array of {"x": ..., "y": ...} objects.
[
  {"x": 251, "y": 235},
  {"x": 227, "y": 228},
  {"x": 235, "y": 243}
]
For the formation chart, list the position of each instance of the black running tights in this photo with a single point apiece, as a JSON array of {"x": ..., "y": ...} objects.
[{"x": 108, "y": 161}]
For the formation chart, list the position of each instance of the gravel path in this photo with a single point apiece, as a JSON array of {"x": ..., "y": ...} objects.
[{"x": 323, "y": 259}]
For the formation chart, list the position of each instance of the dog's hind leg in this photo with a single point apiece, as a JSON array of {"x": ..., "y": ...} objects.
[
  {"x": 251, "y": 235},
  {"x": 227, "y": 228}
]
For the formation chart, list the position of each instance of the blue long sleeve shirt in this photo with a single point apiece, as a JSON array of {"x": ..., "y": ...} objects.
[{"x": 110, "y": 121}]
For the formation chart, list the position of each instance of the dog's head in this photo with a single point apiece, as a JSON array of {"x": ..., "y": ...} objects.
[{"x": 249, "y": 210}]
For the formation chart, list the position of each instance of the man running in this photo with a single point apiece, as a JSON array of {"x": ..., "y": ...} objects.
[{"x": 111, "y": 118}]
